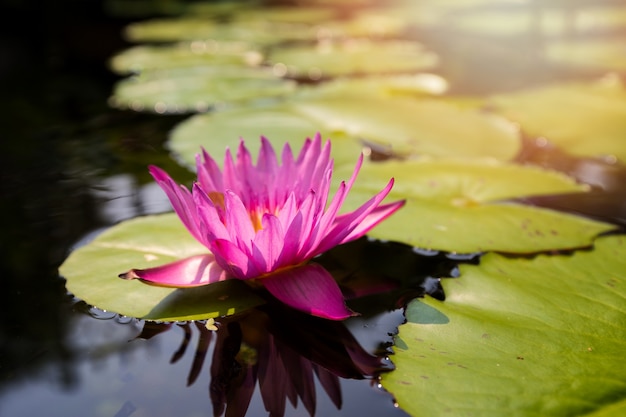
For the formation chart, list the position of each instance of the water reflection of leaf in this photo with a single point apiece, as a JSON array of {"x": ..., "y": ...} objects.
[{"x": 280, "y": 350}]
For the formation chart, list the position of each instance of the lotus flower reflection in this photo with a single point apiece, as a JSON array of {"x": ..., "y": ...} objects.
[{"x": 264, "y": 222}]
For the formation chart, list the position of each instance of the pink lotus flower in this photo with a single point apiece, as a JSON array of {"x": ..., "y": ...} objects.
[{"x": 265, "y": 222}]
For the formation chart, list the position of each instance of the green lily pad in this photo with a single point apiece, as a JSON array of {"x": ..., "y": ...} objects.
[
  {"x": 385, "y": 119},
  {"x": 583, "y": 119},
  {"x": 355, "y": 56},
  {"x": 185, "y": 54},
  {"x": 221, "y": 129},
  {"x": 541, "y": 336},
  {"x": 459, "y": 206},
  {"x": 285, "y": 14},
  {"x": 202, "y": 29},
  {"x": 417, "y": 85},
  {"x": 410, "y": 126},
  {"x": 179, "y": 90},
  {"x": 92, "y": 272}
]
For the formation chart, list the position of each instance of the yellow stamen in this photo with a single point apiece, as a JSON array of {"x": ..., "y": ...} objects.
[
  {"x": 255, "y": 218},
  {"x": 217, "y": 198}
]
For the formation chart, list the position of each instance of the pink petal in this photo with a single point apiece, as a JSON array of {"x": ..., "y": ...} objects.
[
  {"x": 293, "y": 235},
  {"x": 376, "y": 216},
  {"x": 309, "y": 288},
  {"x": 266, "y": 160},
  {"x": 237, "y": 221},
  {"x": 194, "y": 271},
  {"x": 181, "y": 201},
  {"x": 233, "y": 259},
  {"x": 269, "y": 242},
  {"x": 209, "y": 174},
  {"x": 350, "y": 221},
  {"x": 210, "y": 222},
  {"x": 328, "y": 218}
]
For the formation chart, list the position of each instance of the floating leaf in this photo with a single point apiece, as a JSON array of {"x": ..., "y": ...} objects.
[
  {"x": 583, "y": 119},
  {"x": 92, "y": 273},
  {"x": 185, "y": 54},
  {"x": 329, "y": 59},
  {"x": 457, "y": 206},
  {"x": 410, "y": 126},
  {"x": 418, "y": 85},
  {"x": 371, "y": 23},
  {"x": 194, "y": 28},
  {"x": 387, "y": 120},
  {"x": 197, "y": 88},
  {"x": 526, "y": 337},
  {"x": 217, "y": 130},
  {"x": 285, "y": 14}
]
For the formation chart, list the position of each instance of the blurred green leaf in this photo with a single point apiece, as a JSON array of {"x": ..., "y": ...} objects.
[
  {"x": 185, "y": 54},
  {"x": 354, "y": 56},
  {"x": 178, "y": 90}
]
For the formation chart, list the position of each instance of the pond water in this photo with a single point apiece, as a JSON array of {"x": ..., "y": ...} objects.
[{"x": 73, "y": 166}]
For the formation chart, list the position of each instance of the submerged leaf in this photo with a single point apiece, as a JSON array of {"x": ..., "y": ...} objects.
[{"x": 521, "y": 336}]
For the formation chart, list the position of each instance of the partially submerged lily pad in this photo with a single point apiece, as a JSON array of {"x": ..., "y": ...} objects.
[
  {"x": 528, "y": 336},
  {"x": 179, "y": 90},
  {"x": 92, "y": 272},
  {"x": 584, "y": 119},
  {"x": 460, "y": 206}
]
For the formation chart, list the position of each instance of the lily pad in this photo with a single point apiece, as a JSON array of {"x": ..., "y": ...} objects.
[
  {"x": 92, "y": 272},
  {"x": 584, "y": 119},
  {"x": 285, "y": 14},
  {"x": 355, "y": 56},
  {"x": 185, "y": 54},
  {"x": 419, "y": 85},
  {"x": 194, "y": 28},
  {"x": 373, "y": 23},
  {"x": 412, "y": 126},
  {"x": 525, "y": 337},
  {"x": 460, "y": 206},
  {"x": 221, "y": 129},
  {"x": 179, "y": 90}
]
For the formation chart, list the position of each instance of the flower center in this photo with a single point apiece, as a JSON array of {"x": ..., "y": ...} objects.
[
  {"x": 255, "y": 218},
  {"x": 217, "y": 199}
]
